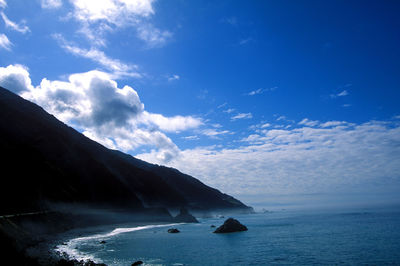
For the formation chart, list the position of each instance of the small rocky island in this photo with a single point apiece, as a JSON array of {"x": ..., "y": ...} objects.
[
  {"x": 185, "y": 217},
  {"x": 230, "y": 225},
  {"x": 173, "y": 231}
]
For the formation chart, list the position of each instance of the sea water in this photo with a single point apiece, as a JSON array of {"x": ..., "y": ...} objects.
[{"x": 357, "y": 237}]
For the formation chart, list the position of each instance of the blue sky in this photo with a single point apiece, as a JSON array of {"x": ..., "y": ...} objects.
[{"x": 256, "y": 98}]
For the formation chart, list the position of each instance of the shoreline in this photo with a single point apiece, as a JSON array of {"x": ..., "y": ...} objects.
[
  {"x": 60, "y": 248},
  {"x": 47, "y": 238}
]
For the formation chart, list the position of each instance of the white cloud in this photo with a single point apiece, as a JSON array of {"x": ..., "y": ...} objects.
[
  {"x": 117, "y": 68},
  {"x": 242, "y": 116},
  {"x": 89, "y": 99},
  {"x": 265, "y": 125},
  {"x": 93, "y": 103},
  {"x": 228, "y": 111},
  {"x": 103, "y": 16},
  {"x": 118, "y": 12},
  {"x": 261, "y": 126},
  {"x": 51, "y": 4},
  {"x": 210, "y": 132},
  {"x": 334, "y": 124},
  {"x": 15, "y": 78},
  {"x": 340, "y": 94},
  {"x": 153, "y": 36},
  {"x": 260, "y": 91},
  {"x": 173, "y": 77},
  {"x": 3, "y": 4},
  {"x": 22, "y": 28},
  {"x": 171, "y": 124},
  {"x": 308, "y": 122},
  {"x": 5, "y": 42},
  {"x": 300, "y": 160},
  {"x": 222, "y": 105},
  {"x": 194, "y": 137}
]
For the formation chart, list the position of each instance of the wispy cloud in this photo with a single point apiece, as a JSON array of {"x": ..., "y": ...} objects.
[
  {"x": 51, "y": 4},
  {"x": 117, "y": 67},
  {"x": 340, "y": 94},
  {"x": 265, "y": 125},
  {"x": 228, "y": 111},
  {"x": 343, "y": 91},
  {"x": 334, "y": 124},
  {"x": 3, "y": 4},
  {"x": 170, "y": 124},
  {"x": 242, "y": 116},
  {"x": 246, "y": 41},
  {"x": 118, "y": 12},
  {"x": 20, "y": 27},
  {"x": 308, "y": 122},
  {"x": 213, "y": 132},
  {"x": 5, "y": 42},
  {"x": 152, "y": 36},
  {"x": 260, "y": 91},
  {"x": 230, "y": 20},
  {"x": 193, "y": 137},
  {"x": 260, "y": 126},
  {"x": 340, "y": 157},
  {"x": 98, "y": 19},
  {"x": 173, "y": 77}
]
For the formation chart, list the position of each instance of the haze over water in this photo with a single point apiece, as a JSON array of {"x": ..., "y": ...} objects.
[{"x": 287, "y": 237}]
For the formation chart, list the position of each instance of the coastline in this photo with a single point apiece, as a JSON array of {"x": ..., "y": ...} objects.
[
  {"x": 60, "y": 249},
  {"x": 48, "y": 238}
]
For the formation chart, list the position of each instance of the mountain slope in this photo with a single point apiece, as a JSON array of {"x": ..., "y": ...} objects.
[{"x": 43, "y": 160}]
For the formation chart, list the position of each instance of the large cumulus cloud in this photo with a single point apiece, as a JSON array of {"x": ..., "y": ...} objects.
[
  {"x": 93, "y": 103},
  {"x": 15, "y": 78}
]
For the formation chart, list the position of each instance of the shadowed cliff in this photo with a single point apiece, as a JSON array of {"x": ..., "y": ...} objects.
[{"x": 45, "y": 162}]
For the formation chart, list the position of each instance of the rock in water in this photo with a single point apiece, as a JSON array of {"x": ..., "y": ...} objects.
[
  {"x": 185, "y": 217},
  {"x": 231, "y": 225},
  {"x": 139, "y": 262},
  {"x": 173, "y": 230}
]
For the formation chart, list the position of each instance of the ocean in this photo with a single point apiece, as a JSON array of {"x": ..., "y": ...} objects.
[{"x": 283, "y": 237}]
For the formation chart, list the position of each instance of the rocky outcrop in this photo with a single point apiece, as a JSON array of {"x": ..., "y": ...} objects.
[
  {"x": 64, "y": 262},
  {"x": 231, "y": 225},
  {"x": 185, "y": 217},
  {"x": 173, "y": 231},
  {"x": 139, "y": 262}
]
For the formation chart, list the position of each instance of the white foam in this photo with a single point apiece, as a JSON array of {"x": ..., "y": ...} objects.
[{"x": 70, "y": 248}]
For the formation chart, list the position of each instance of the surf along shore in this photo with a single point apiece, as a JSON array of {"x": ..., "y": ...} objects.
[{"x": 49, "y": 238}]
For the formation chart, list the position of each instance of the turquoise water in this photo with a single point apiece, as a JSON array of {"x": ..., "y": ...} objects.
[{"x": 363, "y": 237}]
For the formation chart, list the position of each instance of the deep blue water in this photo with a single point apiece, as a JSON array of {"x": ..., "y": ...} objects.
[{"x": 366, "y": 237}]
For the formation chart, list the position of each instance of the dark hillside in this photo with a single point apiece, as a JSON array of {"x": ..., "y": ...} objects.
[{"x": 43, "y": 160}]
